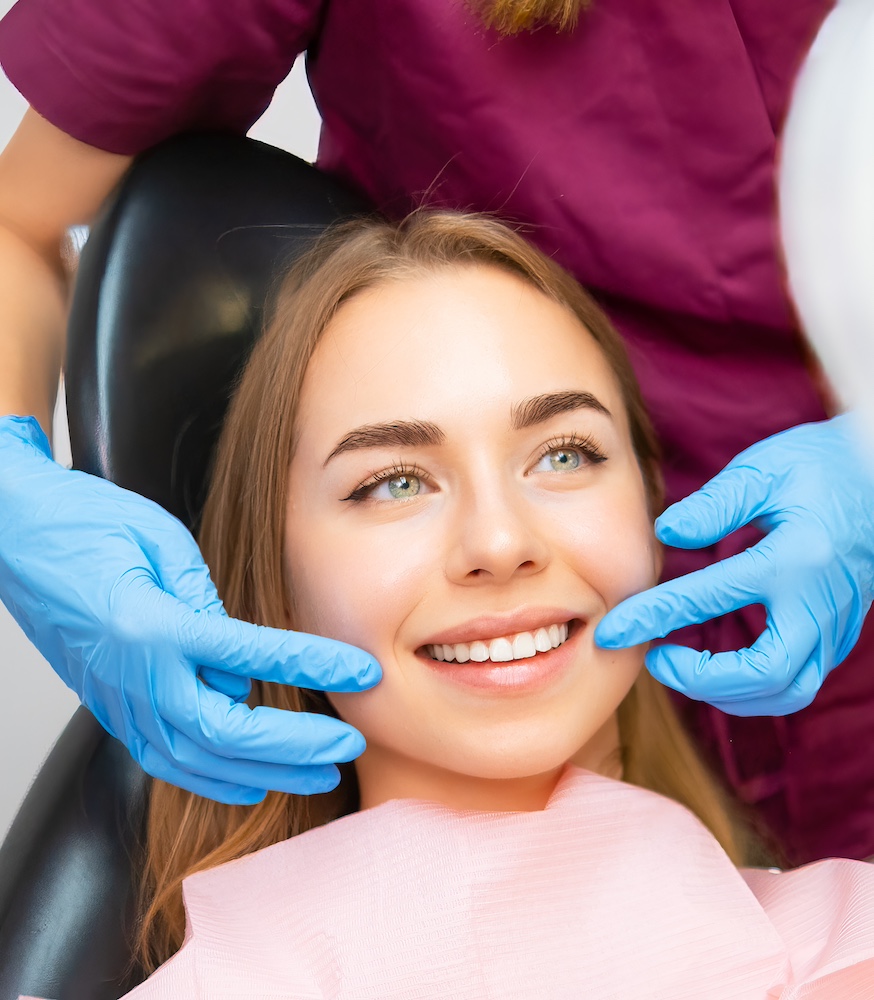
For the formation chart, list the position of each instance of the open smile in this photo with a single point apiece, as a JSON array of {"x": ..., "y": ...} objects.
[
  {"x": 518, "y": 663},
  {"x": 502, "y": 649}
]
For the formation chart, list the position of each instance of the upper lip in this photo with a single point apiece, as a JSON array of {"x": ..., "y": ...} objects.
[{"x": 494, "y": 626}]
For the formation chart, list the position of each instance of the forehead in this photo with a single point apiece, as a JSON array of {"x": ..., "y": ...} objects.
[{"x": 455, "y": 343}]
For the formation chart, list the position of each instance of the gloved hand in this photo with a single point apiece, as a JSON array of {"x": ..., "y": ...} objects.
[
  {"x": 811, "y": 491},
  {"x": 114, "y": 593}
]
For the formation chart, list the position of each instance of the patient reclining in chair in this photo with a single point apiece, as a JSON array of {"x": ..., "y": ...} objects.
[{"x": 439, "y": 453}]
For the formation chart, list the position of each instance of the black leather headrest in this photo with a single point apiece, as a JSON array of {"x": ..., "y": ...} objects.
[{"x": 170, "y": 298}]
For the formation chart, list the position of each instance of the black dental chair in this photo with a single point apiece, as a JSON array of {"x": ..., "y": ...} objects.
[{"x": 169, "y": 299}]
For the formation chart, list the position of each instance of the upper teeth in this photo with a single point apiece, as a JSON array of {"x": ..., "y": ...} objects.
[{"x": 509, "y": 647}]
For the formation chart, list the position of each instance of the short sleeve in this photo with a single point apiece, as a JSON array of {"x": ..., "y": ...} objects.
[{"x": 123, "y": 75}]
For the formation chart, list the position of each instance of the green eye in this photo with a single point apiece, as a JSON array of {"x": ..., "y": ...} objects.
[
  {"x": 402, "y": 487},
  {"x": 563, "y": 460}
]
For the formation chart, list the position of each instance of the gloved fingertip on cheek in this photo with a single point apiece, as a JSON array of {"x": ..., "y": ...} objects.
[
  {"x": 359, "y": 672},
  {"x": 675, "y": 529},
  {"x": 371, "y": 673},
  {"x": 625, "y": 626},
  {"x": 609, "y": 635}
]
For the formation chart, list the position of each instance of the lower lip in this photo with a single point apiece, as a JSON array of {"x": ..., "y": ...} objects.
[{"x": 515, "y": 676}]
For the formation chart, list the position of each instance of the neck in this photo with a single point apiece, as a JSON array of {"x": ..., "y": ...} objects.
[
  {"x": 384, "y": 775},
  {"x": 410, "y": 779}
]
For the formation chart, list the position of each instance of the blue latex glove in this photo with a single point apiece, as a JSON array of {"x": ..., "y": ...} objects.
[
  {"x": 114, "y": 593},
  {"x": 810, "y": 490}
]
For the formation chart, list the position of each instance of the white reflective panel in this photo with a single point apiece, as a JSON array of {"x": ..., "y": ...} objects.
[{"x": 826, "y": 186}]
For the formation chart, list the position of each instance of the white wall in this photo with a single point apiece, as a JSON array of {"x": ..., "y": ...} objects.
[{"x": 35, "y": 705}]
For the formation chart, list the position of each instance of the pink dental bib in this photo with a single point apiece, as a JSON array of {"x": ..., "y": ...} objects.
[{"x": 610, "y": 892}]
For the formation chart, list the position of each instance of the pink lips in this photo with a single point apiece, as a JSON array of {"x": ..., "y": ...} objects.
[
  {"x": 485, "y": 627},
  {"x": 515, "y": 677}
]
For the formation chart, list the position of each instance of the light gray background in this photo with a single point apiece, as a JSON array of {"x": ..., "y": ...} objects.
[{"x": 35, "y": 704}]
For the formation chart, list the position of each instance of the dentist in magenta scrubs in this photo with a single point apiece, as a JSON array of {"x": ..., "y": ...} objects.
[{"x": 637, "y": 139}]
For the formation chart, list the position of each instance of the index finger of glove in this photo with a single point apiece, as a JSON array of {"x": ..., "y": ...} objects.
[
  {"x": 270, "y": 654},
  {"x": 737, "y": 495},
  {"x": 707, "y": 593}
]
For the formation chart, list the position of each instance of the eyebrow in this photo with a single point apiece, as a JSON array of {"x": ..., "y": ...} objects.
[
  {"x": 398, "y": 433},
  {"x": 422, "y": 433},
  {"x": 539, "y": 409}
]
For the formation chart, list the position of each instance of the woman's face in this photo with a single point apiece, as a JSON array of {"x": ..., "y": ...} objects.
[{"x": 465, "y": 505}]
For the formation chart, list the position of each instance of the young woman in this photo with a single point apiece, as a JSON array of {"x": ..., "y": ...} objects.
[{"x": 438, "y": 453}]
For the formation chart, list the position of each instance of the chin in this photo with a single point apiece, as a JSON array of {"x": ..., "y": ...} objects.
[{"x": 525, "y": 760}]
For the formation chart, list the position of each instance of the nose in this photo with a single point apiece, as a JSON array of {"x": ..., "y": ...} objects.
[{"x": 497, "y": 537}]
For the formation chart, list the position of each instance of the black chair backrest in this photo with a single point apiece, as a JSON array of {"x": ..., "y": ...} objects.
[{"x": 168, "y": 302}]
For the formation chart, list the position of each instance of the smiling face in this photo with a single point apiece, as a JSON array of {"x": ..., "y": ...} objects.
[{"x": 465, "y": 504}]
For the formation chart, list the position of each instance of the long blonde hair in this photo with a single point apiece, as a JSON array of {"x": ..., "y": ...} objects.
[{"x": 244, "y": 523}]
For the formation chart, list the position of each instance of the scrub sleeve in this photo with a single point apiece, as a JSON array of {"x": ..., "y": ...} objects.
[{"x": 639, "y": 150}]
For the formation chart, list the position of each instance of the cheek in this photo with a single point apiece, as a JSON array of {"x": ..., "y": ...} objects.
[
  {"x": 608, "y": 538},
  {"x": 631, "y": 560},
  {"x": 352, "y": 584}
]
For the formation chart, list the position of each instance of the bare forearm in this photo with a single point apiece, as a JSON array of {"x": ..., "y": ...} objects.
[
  {"x": 32, "y": 324},
  {"x": 48, "y": 182}
]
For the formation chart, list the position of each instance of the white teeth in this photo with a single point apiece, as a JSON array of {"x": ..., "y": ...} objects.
[
  {"x": 479, "y": 652},
  {"x": 542, "y": 641},
  {"x": 500, "y": 650},
  {"x": 521, "y": 646}
]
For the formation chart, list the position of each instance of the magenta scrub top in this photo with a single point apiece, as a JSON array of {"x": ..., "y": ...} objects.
[{"x": 640, "y": 150}]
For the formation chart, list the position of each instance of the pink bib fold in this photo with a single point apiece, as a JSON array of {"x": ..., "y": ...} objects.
[{"x": 610, "y": 892}]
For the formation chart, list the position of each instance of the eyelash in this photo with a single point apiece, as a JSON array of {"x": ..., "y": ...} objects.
[
  {"x": 585, "y": 445},
  {"x": 362, "y": 491}
]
